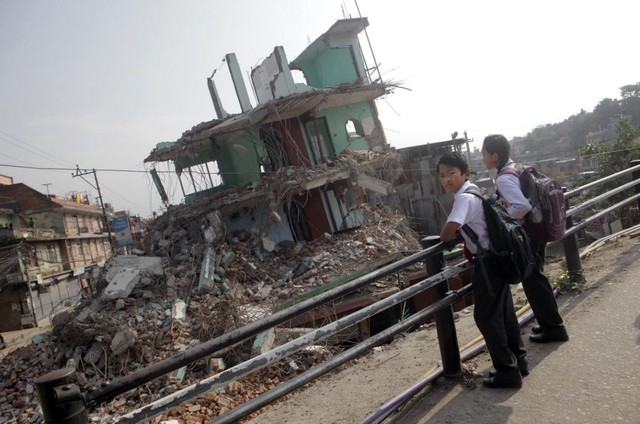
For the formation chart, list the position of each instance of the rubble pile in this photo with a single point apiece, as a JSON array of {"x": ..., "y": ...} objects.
[{"x": 199, "y": 284}]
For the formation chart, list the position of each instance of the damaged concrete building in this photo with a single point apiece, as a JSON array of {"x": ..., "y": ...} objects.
[
  {"x": 283, "y": 166},
  {"x": 282, "y": 201}
]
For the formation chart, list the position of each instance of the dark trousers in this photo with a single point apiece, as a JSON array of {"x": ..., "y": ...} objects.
[
  {"x": 496, "y": 319},
  {"x": 540, "y": 293}
]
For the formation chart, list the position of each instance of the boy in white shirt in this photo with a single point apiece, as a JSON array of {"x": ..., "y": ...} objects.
[
  {"x": 493, "y": 312},
  {"x": 495, "y": 154}
]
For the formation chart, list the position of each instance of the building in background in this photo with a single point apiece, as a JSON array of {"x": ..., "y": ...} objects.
[{"x": 45, "y": 239}]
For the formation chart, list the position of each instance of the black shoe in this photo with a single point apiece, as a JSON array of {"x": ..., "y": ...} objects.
[
  {"x": 523, "y": 366},
  {"x": 536, "y": 329},
  {"x": 509, "y": 380},
  {"x": 556, "y": 334}
]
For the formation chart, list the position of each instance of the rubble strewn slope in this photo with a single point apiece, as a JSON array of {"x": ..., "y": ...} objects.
[{"x": 195, "y": 287}]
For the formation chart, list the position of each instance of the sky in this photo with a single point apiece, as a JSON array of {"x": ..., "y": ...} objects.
[{"x": 98, "y": 83}]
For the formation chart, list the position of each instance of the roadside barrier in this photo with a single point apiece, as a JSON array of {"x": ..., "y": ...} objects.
[{"x": 62, "y": 400}]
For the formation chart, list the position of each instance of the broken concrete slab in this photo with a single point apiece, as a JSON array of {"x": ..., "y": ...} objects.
[
  {"x": 179, "y": 310},
  {"x": 94, "y": 353},
  {"x": 123, "y": 340},
  {"x": 87, "y": 312},
  {"x": 268, "y": 245},
  {"x": 122, "y": 284},
  {"x": 375, "y": 184},
  {"x": 207, "y": 272},
  {"x": 178, "y": 375},
  {"x": 147, "y": 265},
  {"x": 263, "y": 342}
]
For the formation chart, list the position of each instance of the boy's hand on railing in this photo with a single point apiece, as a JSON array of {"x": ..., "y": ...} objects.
[{"x": 451, "y": 244}]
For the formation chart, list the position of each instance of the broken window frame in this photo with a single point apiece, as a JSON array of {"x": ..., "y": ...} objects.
[
  {"x": 201, "y": 185},
  {"x": 354, "y": 129},
  {"x": 274, "y": 146},
  {"x": 320, "y": 142}
]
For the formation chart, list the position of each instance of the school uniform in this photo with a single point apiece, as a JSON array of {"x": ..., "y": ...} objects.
[
  {"x": 494, "y": 315},
  {"x": 536, "y": 287}
]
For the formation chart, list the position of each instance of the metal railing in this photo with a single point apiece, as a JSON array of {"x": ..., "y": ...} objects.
[
  {"x": 72, "y": 395},
  {"x": 570, "y": 240},
  {"x": 62, "y": 400}
]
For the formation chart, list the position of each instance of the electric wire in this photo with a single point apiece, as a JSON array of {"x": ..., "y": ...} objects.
[{"x": 47, "y": 157}]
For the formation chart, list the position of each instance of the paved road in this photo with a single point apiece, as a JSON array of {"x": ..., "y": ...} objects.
[{"x": 593, "y": 378}]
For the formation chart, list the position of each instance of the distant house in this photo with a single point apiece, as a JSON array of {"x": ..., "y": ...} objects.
[
  {"x": 286, "y": 148},
  {"x": 65, "y": 238}
]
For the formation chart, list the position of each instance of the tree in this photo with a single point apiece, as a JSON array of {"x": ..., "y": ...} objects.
[
  {"x": 612, "y": 158},
  {"x": 604, "y": 112},
  {"x": 631, "y": 102},
  {"x": 631, "y": 90}
]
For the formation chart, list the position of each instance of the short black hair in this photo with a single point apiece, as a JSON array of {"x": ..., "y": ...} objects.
[
  {"x": 456, "y": 159},
  {"x": 497, "y": 143}
]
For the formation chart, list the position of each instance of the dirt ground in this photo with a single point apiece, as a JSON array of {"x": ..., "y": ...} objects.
[
  {"x": 16, "y": 339},
  {"x": 352, "y": 393}
]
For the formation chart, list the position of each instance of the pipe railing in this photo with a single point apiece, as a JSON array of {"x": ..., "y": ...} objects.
[
  {"x": 234, "y": 337},
  {"x": 570, "y": 240},
  {"x": 355, "y": 351},
  {"x": 600, "y": 214},
  {"x": 287, "y": 349},
  {"x": 73, "y": 394},
  {"x": 589, "y": 203},
  {"x": 57, "y": 394},
  {"x": 576, "y": 191}
]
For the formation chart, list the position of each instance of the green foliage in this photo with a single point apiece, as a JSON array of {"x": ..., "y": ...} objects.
[
  {"x": 574, "y": 129},
  {"x": 632, "y": 90},
  {"x": 564, "y": 282},
  {"x": 612, "y": 158}
]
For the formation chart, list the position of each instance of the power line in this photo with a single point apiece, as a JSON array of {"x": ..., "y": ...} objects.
[
  {"x": 97, "y": 169},
  {"x": 12, "y": 158},
  {"x": 42, "y": 168},
  {"x": 48, "y": 155}
]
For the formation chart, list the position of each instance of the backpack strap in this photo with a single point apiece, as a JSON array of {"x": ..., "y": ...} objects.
[
  {"x": 474, "y": 238},
  {"x": 473, "y": 189},
  {"x": 513, "y": 170}
]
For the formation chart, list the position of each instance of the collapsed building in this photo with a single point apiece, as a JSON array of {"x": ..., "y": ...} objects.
[
  {"x": 279, "y": 163},
  {"x": 279, "y": 200}
]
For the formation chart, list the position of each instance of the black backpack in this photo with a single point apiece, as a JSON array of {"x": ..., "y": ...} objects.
[{"x": 513, "y": 258}]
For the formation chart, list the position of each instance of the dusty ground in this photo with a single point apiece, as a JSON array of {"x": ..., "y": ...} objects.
[
  {"x": 354, "y": 392},
  {"x": 17, "y": 339}
]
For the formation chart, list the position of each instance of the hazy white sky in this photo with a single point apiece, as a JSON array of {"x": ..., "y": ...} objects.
[{"x": 99, "y": 83}]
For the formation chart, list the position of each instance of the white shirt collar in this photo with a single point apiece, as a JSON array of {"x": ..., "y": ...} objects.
[{"x": 463, "y": 188}]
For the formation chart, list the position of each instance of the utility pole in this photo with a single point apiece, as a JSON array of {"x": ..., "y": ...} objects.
[
  {"x": 466, "y": 139},
  {"x": 47, "y": 186},
  {"x": 80, "y": 174}
]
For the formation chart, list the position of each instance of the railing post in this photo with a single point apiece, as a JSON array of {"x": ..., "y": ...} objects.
[
  {"x": 60, "y": 398},
  {"x": 636, "y": 175},
  {"x": 571, "y": 251},
  {"x": 445, "y": 325}
]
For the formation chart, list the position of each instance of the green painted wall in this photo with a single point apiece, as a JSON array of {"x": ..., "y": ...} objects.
[
  {"x": 337, "y": 119},
  {"x": 333, "y": 67},
  {"x": 238, "y": 159}
]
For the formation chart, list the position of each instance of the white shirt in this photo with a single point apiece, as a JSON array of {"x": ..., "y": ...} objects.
[
  {"x": 467, "y": 209},
  {"x": 509, "y": 187}
]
